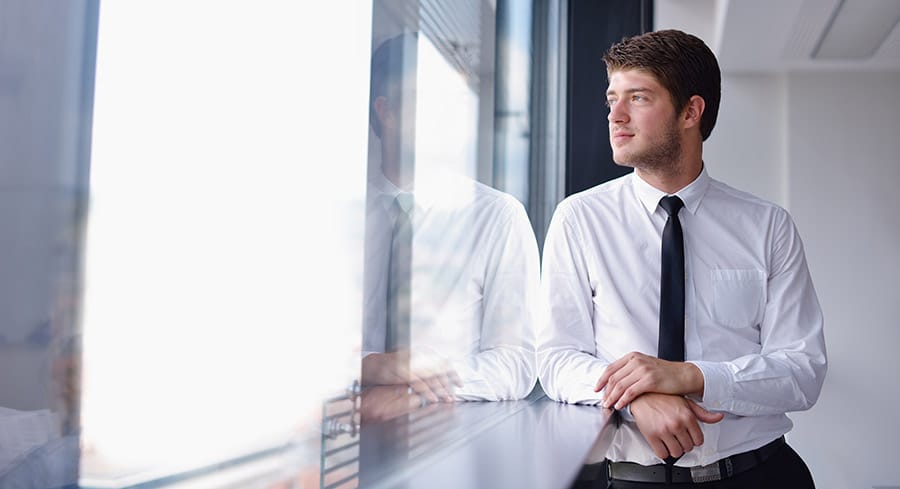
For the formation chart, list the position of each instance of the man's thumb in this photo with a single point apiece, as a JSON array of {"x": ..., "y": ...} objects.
[{"x": 704, "y": 415}]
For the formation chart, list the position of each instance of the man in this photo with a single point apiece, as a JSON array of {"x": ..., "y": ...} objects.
[
  {"x": 451, "y": 268},
  {"x": 681, "y": 302}
]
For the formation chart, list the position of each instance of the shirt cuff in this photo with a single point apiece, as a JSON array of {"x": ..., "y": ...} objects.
[
  {"x": 718, "y": 385},
  {"x": 474, "y": 387}
]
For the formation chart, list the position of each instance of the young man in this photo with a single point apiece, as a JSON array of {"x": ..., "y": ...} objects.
[{"x": 683, "y": 303}]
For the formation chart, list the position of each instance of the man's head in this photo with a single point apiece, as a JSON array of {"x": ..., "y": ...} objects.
[
  {"x": 392, "y": 104},
  {"x": 393, "y": 65},
  {"x": 681, "y": 63}
]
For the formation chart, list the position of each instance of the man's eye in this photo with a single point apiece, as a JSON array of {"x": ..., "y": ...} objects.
[
  {"x": 610, "y": 102},
  {"x": 638, "y": 98}
]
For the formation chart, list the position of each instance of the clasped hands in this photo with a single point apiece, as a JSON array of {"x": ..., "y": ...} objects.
[
  {"x": 656, "y": 389},
  {"x": 394, "y": 383}
]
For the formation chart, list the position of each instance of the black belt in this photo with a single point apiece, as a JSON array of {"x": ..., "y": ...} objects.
[{"x": 722, "y": 469}]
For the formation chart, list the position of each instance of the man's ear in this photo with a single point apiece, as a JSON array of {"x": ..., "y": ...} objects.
[
  {"x": 382, "y": 111},
  {"x": 693, "y": 111}
]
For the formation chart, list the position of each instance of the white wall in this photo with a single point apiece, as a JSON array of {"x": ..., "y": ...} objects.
[
  {"x": 747, "y": 147},
  {"x": 697, "y": 17},
  {"x": 844, "y": 153},
  {"x": 827, "y": 147}
]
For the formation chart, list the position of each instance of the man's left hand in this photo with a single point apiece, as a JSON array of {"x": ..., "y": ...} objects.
[{"x": 637, "y": 373}]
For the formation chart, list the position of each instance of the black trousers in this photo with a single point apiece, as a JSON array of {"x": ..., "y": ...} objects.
[{"x": 783, "y": 470}]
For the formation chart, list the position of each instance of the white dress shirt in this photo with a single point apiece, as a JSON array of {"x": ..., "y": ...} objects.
[
  {"x": 474, "y": 276},
  {"x": 753, "y": 325}
]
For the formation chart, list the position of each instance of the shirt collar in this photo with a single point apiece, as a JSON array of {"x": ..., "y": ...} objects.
[
  {"x": 384, "y": 191},
  {"x": 691, "y": 194}
]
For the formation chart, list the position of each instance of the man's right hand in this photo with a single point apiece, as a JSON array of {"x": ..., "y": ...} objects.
[
  {"x": 433, "y": 380},
  {"x": 670, "y": 423},
  {"x": 383, "y": 402}
]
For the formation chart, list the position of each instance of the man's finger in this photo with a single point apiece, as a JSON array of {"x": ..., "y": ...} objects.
[
  {"x": 444, "y": 380},
  {"x": 616, "y": 386},
  {"x": 638, "y": 385},
  {"x": 442, "y": 387},
  {"x": 704, "y": 415},
  {"x": 685, "y": 440},
  {"x": 659, "y": 448},
  {"x": 673, "y": 447},
  {"x": 419, "y": 386},
  {"x": 626, "y": 390},
  {"x": 604, "y": 378},
  {"x": 611, "y": 369},
  {"x": 415, "y": 401},
  {"x": 696, "y": 434}
]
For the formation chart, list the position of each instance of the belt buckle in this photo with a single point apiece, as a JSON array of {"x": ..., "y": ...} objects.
[{"x": 711, "y": 472}]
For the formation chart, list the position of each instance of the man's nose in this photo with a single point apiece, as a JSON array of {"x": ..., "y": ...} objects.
[{"x": 617, "y": 114}]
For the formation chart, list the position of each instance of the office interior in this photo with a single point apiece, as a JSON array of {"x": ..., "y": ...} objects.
[{"x": 184, "y": 207}]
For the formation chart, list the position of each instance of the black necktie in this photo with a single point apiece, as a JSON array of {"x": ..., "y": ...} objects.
[
  {"x": 671, "y": 294},
  {"x": 671, "y": 290},
  {"x": 399, "y": 274}
]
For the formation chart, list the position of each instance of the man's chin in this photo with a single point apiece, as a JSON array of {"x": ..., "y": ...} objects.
[{"x": 622, "y": 161}]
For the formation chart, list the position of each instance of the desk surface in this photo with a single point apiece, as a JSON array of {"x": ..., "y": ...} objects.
[{"x": 535, "y": 443}]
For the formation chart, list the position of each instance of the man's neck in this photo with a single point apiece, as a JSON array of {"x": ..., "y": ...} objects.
[
  {"x": 673, "y": 179},
  {"x": 395, "y": 170}
]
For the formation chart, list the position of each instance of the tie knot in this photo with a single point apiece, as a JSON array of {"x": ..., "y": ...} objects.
[
  {"x": 672, "y": 204},
  {"x": 404, "y": 202}
]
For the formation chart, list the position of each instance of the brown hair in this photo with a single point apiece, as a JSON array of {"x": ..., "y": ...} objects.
[{"x": 683, "y": 64}]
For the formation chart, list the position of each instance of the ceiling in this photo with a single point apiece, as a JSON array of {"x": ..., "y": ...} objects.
[{"x": 783, "y": 35}]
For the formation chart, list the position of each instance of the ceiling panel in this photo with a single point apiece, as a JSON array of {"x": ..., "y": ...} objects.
[{"x": 781, "y": 35}]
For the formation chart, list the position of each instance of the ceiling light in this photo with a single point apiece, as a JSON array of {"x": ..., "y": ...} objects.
[{"x": 857, "y": 29}]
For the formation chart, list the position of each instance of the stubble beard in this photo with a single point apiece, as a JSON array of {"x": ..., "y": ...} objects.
[{"x": 662, "y": 158}]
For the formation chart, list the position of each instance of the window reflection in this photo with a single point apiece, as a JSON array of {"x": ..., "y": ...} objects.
[
  {"x": 446, "y": 115},
  {"x": 451, "y": 263}
]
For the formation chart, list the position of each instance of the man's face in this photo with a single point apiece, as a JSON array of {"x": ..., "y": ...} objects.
[{"x": 643, "y": 126}]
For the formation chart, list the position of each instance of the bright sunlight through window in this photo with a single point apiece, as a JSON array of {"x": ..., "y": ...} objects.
[{"x": 224, "y": 247}]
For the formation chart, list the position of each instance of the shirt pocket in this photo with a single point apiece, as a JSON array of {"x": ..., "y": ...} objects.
[{"x": 739, "y": 297}]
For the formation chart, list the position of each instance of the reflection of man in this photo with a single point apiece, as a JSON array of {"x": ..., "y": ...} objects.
[
  {"x": 451, "y": 264},
  {"x": 683, "y": 303}
]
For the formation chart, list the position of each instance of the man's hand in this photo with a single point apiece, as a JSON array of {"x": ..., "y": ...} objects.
[
  {"x": 636, "y": 374},
  {"x": 669, "y": 423},
  {"x": 385, "y": 402},
  {"x": 434, "y": 381}
]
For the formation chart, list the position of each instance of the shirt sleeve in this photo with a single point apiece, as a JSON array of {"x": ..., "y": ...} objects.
[
  {"x": 568, "y": 366},
  {"x": 788, "y": 372},
  {"x": 504, "y": 368}
]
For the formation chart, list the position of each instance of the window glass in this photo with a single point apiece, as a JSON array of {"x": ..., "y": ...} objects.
[
  {"x": 223, "y": 263},
  {"x": 451, "y": 260},
  {"x": 43, "y": 73},
  {"x": 260, "y": 245}
]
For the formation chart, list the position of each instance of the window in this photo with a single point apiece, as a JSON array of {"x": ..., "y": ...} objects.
[
  {"x": 222, "y": 283},
  {"x": 188, "y": 191}
]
